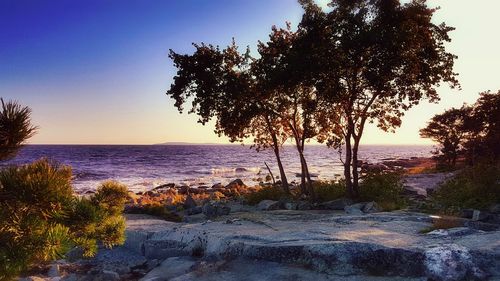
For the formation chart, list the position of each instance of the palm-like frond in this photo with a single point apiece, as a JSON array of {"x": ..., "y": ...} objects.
[{"x": 15, "y": 127}]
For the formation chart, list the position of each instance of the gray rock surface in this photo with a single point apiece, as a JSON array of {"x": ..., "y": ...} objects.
[
  {"x": 268, "y": 205},
  {"x": 215, "y": 209},
  {"x": 331, "y": 244},
  {"x": 170, "y": 268}
]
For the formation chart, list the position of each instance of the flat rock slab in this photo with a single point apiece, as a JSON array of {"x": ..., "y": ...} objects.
[
  {"x": 421, "y": 183},
  {"x": 328, "y": 242}
]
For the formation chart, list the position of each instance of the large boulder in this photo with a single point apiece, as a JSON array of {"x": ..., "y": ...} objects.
[
  {"x": 304, "y": 205},
  {"x": 236, "y": 184},
  {"x": 354, "y": 209},
  {"x": 371, "y": 207},
  {"x": 451, "y": 262},
  {"x": 214, "y": 209},
  {"x": 338, "y": 204},
  {"x": 268, "y": 205}
]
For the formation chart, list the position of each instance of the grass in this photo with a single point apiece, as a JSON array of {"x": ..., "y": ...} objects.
[{"x": 443, "y": 222}]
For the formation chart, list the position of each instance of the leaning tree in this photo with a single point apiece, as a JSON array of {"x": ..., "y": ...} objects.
[
  {"x": 220, "y": 85},
  {"x": 373, "y": 60},
  {"x": 15, "y": 128}
]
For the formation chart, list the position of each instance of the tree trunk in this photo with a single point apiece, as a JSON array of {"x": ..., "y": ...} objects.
[
  {"x": 284, "y": 181},
  {"x": 308, "y": 177},
  {"x": 355, "y": 173},
  {"x": 347, "y": 166}
]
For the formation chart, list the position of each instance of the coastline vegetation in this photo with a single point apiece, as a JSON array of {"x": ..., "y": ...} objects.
[{"x": 359, "y": 62}]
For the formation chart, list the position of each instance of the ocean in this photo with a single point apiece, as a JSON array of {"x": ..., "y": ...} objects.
[{"x": 143, "y": 167}]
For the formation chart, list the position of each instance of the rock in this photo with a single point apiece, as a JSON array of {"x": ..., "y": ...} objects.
[
  {"x": 304, "y": 205},
  {"x": 32, "y": 278},
  {"x": 451, "y": 262},
  {"x": 495, "y": 209},
  {"x": 194, "y": 211},
  {"x": 371, "y": 207},
  {"x": 189, "y": 202},
  {"x": 479, "y": 215},
  {"x": 236, "y": 183},
  {"x": 168, "y": 185},
  {"x": 354, "y": 209},
  {"x": 268, "y": 205},
  {"x": 54, "y": 271},
  {"x": 195, "y": 190},
  {"x": 74, "y": 254},
  {"x": 169, "y": 269},
  {"x": 183, "y": 189},
  {"x": 203, "y": 187},
  {"x": 291, "y": 205},
  {"x": 214, "y": 209},
  {"x": 466, "y": 213},
  {"x": 108, "y": 275},
  {"x": 338, "y": 204},
  {"x": 217, "y": 186}
]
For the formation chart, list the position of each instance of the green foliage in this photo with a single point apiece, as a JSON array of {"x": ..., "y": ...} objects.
[
  {"x": 111, "y": 196},
  {"x": 447, "y": 129},
  {"x": 266, "y": 193},
  {"x": 385, "y": 188},
  {"x": 474, "y": 187},
  {"x": 329, "y": 190},
  {"x": 41, "y": 219},
  {"x": 15, "y": 128},
  {"x": 156, "y": 210}
]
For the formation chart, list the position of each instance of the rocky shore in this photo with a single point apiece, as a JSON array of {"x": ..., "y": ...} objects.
[{"x": 219, "y": 237}]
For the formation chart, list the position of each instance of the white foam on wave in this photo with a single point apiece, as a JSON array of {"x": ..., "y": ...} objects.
[{"x": 237, "y": 170}]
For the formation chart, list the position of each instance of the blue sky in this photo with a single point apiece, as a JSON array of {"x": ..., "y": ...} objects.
[{"x": 97, "y": 71}]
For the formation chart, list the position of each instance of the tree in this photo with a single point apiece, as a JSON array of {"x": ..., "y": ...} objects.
[
  {"x": 483, "y": 126},
  {"x": 15, "y": 128},
  {"x": 373, "y": 60},
  {"x": 220, "y": 85},
  {"x": 447, "y": 129},
  {"x": 288, "y": 94}
]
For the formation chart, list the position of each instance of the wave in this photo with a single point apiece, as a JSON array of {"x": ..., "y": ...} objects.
[{"x": 234, "y": 171}]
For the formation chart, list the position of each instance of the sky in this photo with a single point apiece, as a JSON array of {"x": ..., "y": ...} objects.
[{"x": 96, "y": 72}]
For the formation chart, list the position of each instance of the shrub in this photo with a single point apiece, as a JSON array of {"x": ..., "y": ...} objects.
[
  {"x": 475, "y": 187},
  {"x": 385, "y": 188},
  {"x": 41, "y": 219},
  {"x": 443, "y": 222},
  {"x": 157, "y": 210},
  {"x": 266, "y": 193},
  {"x": 111, "y": 196},
  {"x": 329, "y": 190}
]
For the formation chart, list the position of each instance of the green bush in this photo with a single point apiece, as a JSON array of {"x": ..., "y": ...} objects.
[
  {"x": 475, "y": 187},
  {"x": 329, "y": 190},
  {"x": 266, "y": 193},
  {"x": 41, "y": 219},
  {"x": 111, "y": 196},
  {"x": 385, "y": 188},
  {"x": 156, "y": 210}
]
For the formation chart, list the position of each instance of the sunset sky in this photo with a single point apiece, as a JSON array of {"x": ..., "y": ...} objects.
[{"x": 96, "y": 72}]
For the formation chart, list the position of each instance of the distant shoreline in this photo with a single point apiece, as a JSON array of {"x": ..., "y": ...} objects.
[{"x": 205, "y": 144}]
